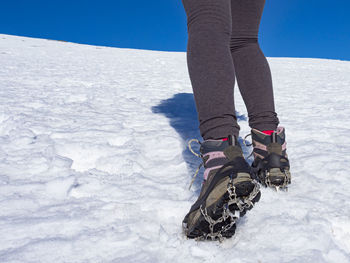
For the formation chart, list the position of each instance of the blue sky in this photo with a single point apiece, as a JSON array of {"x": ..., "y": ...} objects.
[{"x": 292, "y": 28}]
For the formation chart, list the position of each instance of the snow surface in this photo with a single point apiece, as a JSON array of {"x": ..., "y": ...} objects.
[{"x": 94, "y": 165}]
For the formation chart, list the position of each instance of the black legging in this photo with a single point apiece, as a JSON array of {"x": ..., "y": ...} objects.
[{"x": 222, "y": 43}]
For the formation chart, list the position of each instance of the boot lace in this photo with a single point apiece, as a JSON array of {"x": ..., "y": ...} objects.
[{"x": 199, "y": 155}]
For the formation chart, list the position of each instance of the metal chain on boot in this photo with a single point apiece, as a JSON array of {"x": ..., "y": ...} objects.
[
  {"x": 226, "y": 214},
  {"x": 283, "y": 186},
  {"x": 242, "y": 203}
]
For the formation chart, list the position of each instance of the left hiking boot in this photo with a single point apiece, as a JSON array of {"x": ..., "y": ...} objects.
[
  {"x": 271, "y": 164},
  {"x": 227, "y": 192}
]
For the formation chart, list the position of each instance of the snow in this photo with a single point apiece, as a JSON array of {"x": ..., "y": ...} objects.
[{"x": 94, "y": 165}]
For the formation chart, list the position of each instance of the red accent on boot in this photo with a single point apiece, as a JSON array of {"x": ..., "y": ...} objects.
[
  {"x": 224, "y": 139},
  {"x": 268, "y": 132}
]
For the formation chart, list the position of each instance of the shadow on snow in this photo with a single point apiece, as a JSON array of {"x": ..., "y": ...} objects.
[{"x": 182, "y": 114}]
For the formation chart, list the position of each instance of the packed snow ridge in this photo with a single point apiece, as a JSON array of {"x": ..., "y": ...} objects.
[{"x": 94, "y": 165}]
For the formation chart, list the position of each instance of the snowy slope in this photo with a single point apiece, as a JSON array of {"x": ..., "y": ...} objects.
[{"x": 94, "y": 166}]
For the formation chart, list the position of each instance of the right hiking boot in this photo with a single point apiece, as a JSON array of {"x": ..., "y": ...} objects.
[
  {"x": 227, "y": 192},
  {"x": 271, "y": 165}
]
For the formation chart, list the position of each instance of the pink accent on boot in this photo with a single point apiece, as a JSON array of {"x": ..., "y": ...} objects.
[
  {"x": 214, "y": 155},
  {"x": 207, "y": 171},
  {"x": 260, "y": 146},
  {"x": 284, "y": 146},
  {"x": 280, "y": 129}
]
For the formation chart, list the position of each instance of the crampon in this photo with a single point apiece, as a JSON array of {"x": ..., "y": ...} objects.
[{"x": 227, "y": 193}]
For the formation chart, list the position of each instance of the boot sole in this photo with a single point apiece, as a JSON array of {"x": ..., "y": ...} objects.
[
  {"x": 214, "y": 204},
  {"x": 275, "y": 178}
]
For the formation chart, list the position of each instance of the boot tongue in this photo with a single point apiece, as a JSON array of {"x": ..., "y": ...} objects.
[{"x": 231, "y": 152}]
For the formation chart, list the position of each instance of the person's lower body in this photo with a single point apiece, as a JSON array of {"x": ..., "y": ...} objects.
[{"x": 223, "y": 45}]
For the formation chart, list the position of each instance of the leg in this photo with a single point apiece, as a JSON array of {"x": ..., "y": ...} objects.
[
  {"x": 228, "y": 190},
  {"x": 210, "y": 66},
  {"x": 251, "y": 67},
  {"x": 271, "y": 164}
]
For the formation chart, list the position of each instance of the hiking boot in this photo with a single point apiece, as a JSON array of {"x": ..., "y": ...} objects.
[
  {"x": 228, "y": 191},
  {"x": 271, "y": 164}
]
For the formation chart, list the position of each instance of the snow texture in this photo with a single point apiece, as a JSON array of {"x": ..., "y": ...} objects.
[{"x": 94, "y": 165}]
